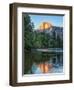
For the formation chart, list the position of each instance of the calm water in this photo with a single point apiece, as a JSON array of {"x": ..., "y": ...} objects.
[{"x": 37, "y": 62}]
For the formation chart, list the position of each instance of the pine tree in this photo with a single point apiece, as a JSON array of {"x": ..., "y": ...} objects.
[{"x": 28, "y": 32}]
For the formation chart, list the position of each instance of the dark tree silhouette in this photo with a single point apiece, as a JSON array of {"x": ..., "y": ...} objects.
[{"x": 28, "y": 32}]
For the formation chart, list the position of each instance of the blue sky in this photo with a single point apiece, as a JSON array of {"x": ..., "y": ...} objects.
[{"x": 55, "y": 20}]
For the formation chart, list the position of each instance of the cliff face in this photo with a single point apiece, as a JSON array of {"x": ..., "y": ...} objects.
[
  {"x": 45, "y": 25},
  {"x": 58, "y": 31}
]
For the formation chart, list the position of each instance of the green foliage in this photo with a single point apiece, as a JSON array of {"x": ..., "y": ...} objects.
[
  {"x": 28, "y": 32},
  {"x": 37, "y": 40}
]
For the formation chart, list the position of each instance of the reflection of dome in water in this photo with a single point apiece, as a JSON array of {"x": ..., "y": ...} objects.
[{"x": 45, "y": 25}]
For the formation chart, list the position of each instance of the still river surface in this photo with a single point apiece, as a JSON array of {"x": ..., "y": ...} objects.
[{"x": 40, "y": 61}]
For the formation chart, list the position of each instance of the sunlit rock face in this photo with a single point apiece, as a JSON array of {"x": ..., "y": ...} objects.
[
  {"x": 50, "y": 29},
  {"x": 45, "y": 25}
]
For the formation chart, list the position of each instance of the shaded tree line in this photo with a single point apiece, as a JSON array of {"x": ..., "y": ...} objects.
[{"x": 43, "y": 40}]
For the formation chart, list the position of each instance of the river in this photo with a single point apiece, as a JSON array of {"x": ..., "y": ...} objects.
[{"x": 43, "y": 61}]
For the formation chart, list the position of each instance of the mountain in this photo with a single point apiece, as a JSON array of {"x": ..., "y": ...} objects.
[{"x": 54, "y": 29}]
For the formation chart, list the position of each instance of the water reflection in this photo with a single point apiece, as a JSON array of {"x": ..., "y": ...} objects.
[{"x": 37, "y": 62}]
